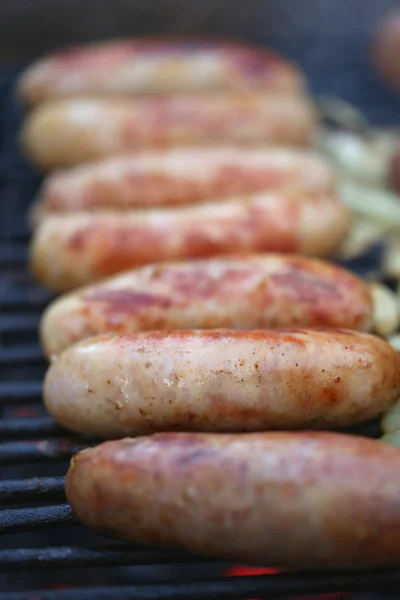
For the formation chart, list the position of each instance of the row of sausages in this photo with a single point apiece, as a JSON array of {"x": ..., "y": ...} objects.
[
  {"x": 96, "y": 220},
  {"x": 140, "y": 100},
  {"x": 197, "y": 345},
  {"x": 200, "y": 92}
]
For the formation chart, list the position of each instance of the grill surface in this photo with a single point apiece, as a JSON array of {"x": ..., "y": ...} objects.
[{"x": 40, "y": 535}]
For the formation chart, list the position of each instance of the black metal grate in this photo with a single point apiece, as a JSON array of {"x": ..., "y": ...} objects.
[{"x": 40, "y": 536}]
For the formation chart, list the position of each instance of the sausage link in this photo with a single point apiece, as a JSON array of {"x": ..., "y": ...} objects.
[
  {"x": 78, "y": 248},
  {"x": 154, "y": 66},
  {"x": 69, "y": 132},
  {"x": 289, "y": 500},
  {"x": 110, "y": 386},
  {"x": 251, "y": 292},
  {"x": 179, "y": 177}
]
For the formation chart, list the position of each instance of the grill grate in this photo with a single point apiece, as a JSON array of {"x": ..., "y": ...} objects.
[
  {"x": 67, "y": 557},
  {"x": 17, "y": 520},
  {"x": 38, "y": 451},
  {"x": 37, "y": 488},
  {"x": 270, "y": 586},
  {"x": 34, "y": 451}
]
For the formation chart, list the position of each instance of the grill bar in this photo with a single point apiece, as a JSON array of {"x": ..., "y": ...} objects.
[
  {"x": 19, "y": 231},
  {"x": 234, "y": 588},
  {"x": 35, "y": 297},
  {"x": 16, "y": 355},
  {"x": 70, "y": 557},
  {"x": 17, "y": 520},
  {"x": 37, "y": 488},
  {"x": 33, "y": 427},
  {"x": 19, "y": 323},
  {"x": 12, "y": 453},
  {"x": 12, "y": 255},
  {"x": 20, "y": 392}
]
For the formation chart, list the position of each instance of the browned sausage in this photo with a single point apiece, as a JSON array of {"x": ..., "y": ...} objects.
[
  {"x": 231, "y": 380},
  {"x": 157, "y": 65},
  {"x": 178, "y": 177},
  {"x": 75, "y": 249},
  {"x": 69, "y": 132},
  {"x": 250, "y": 292},
  {"x": 291, "y": 500}
]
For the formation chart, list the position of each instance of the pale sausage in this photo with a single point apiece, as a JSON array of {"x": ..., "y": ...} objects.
[
  {"x": 69, "y": 132},
  {"x": 250, "y": 292},
  {"x": 289, "y": 500},
  {"x": 226, "y": 380},
  {"x": 157, "y": 65},
  {"x": 178, "y": 177},
  {"x": 78, "y": 248}
]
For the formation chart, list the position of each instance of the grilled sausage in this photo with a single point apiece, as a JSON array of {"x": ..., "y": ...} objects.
[
  {"x": 69, "y": 132},
  {"x": 155, "y": 66},
  {"x": 181, "y": 177},
  {"x": 75, "y": 249},
  {"x": 230, "y": 380},
  {"x": 246, "y": 292},
  {"x": 290, "y": 500}
]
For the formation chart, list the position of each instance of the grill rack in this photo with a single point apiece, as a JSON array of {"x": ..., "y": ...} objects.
[{"x": 28, "y": 437}]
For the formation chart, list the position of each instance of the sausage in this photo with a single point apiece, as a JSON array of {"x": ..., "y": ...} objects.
[
  {"x": 153, "y": 66},
  {"x": 394, "y": 169},
  {"x": 63, "y": 133},
  {"x": 385, "y": 49},
  {"x": 74, "y": 249},
  {"x": 250, "y": 292},
  {"x": 222, "y": 380},
  {"x": 289, "y": 500},
  {"x": 178, "y": 177}
]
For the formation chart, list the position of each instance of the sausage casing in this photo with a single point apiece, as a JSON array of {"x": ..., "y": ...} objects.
[
  {"x": 110, "y": 386},
  {"x": 249, "y": 292},
  {"x": 151, "y": 66},
  {"x": 69, "y": 132},
  {"x": 78, "y": 248},
  {"x": 290, "y": 500},
  {"x": 178, "y": 177}
]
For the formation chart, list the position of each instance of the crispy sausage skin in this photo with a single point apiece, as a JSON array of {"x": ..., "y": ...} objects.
[
  {"x": 249, "y": 292},
  {"x": 290, "y": 500},
  {"x": 217, "y": 380},
  {"x": 69, "y": 132},
  {"x": 152, "y": 66},
  {"x": 178, "y": 177},
  {"x": 78, "y": 248}
]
